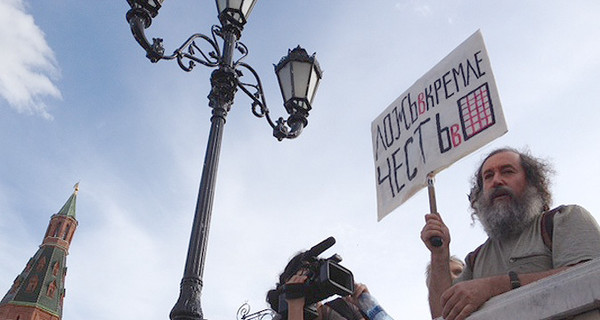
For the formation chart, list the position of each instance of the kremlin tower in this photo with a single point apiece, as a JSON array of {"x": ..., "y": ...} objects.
[{"x": 38, "y": 292}]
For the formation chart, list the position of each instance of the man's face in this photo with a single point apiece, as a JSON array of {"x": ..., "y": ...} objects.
[
  {"x": 503, "y": 170},
  {"x": 508, "y": 204}
]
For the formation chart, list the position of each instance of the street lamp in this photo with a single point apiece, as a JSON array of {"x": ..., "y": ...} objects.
[
  {"x": 235, "y": 11},
  {"x": 298, "y": 76}
]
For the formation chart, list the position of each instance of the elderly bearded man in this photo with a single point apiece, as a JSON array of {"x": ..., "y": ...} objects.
[{"x": 509, "y": 197}]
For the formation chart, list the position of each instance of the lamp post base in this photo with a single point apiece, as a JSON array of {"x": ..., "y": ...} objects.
[{"x": 188, "y": 305}]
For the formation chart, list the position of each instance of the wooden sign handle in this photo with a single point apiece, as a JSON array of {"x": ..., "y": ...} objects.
[{"x": 435, "y": 241}]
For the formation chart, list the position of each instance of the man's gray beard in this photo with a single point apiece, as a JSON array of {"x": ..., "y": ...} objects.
[{"x": 505, "y": 219}]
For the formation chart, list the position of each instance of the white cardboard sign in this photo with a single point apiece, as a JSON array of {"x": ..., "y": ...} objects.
[{"x": 453, "y": 110}]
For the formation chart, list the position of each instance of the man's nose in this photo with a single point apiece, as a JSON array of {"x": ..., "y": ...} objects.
[{"x": 497, "y": 180}]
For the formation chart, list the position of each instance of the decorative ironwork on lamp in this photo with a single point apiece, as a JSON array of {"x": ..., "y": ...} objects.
[
  {"x": 151, "y": 6},
  {"x": 298, "y": 73},
  {"x": 243, "y": 313}
]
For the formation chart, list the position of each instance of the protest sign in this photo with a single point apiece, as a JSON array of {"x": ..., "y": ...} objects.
[{"x": 451, "y": 111}]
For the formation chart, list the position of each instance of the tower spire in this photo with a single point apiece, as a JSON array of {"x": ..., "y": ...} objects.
[{"x": 68, "y": 209}]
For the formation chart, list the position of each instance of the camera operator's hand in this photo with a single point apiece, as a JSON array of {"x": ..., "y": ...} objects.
[
  {"x": 296, "y": 306},
  {"x": 359, "y": 289}
]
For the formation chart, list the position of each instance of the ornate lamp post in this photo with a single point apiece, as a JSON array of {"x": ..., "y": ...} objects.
[{"x": 298, "y": 75}]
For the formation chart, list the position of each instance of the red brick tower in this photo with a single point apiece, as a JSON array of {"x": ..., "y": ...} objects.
[{"x": 38, "y": 292}]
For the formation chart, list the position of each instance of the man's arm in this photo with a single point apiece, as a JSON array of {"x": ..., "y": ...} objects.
[
  {"x": 464, "y": 298},
  {"x": 439, "y": 278}
]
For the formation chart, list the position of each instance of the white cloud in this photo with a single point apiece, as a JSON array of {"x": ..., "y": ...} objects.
[
  {"x": 416, "y": 6},
  {"x": 27, "y": 63},
  {"x": 423, "y": 10}
]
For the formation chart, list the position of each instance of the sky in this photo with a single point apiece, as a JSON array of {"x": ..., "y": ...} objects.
[{"x": 79, "y": 102}]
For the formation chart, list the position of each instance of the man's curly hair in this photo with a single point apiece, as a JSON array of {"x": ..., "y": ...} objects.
[{"x": 537, "y": 172}]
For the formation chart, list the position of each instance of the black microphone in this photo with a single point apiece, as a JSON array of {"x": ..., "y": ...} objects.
[{"x": 320, "y": 247}]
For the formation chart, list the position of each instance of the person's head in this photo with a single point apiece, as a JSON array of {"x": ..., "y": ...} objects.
[
  {"x": 290, "y": 269},
  {"x": 456, "y": 268},
  {"x": 509, "y": 190}
]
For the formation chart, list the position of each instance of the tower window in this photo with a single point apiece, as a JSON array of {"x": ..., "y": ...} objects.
[
  {"x": 55, "y": 233},
  {"x": 33, "y": 282},
  {"x": 41, "y": 264},
  {"x": 55, "y": 268},
  {"x": 67, "y": 231},
  {"x": 51, "y": 289}
]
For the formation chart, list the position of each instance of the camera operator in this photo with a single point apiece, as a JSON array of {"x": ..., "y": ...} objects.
[{"x": 294, "y": 297}]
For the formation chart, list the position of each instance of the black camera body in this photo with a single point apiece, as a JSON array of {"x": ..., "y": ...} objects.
[
  {"x": 326, "y": 277},
  {"x": 332, "y": 279}
]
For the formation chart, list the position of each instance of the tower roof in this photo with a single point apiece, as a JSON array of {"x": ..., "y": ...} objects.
[{"x": 68, "y": 209}]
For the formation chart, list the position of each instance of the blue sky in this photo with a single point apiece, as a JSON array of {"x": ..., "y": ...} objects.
[{"x": 80, "y": 102}]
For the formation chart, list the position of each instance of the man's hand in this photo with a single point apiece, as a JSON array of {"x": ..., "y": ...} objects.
[
  {"x": 464, "y": 298},
  {"x": 435, "y": 227}
]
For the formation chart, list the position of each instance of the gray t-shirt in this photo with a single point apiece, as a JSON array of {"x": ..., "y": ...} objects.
[{"x": 576, "y": 238}]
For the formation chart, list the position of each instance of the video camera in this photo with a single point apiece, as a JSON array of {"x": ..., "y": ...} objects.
[{"x": 326, "y": 277}]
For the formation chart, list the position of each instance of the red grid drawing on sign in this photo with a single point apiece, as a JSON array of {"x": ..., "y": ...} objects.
[{"x": 476, "y": 111}]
